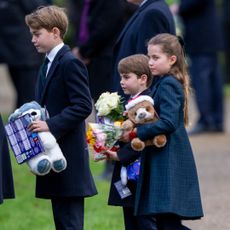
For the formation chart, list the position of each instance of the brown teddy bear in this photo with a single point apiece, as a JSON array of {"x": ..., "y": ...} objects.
[{"x": 140, "y": 110}]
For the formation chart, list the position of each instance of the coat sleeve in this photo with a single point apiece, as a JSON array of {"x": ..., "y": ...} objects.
[
  {"x": 78, "y": 100},
  {"x": 170, "y": 100},
  {"x": 127, "y": 155}
]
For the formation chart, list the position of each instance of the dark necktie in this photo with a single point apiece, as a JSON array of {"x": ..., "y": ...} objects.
[
  {"x": 44, "y": 71},
  {"x": 84, "y": 30}
]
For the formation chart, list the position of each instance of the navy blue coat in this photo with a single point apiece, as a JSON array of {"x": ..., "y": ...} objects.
[
  {"x": 168, "y": 179},
  {"x": 202, "y": 26},
  {"x": 6, "y": 177},
  {"x": 67, "y": 98},
  {"x": 126, "y": 156},
  {"x": 152, "y": 18}
]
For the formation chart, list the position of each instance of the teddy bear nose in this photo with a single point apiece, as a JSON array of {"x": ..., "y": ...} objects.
[{"x": 141, "y": 115}]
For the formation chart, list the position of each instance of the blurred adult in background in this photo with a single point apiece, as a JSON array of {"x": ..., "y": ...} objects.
[
  {"x": 226, "y": 22},
  {"x": 94, "y": 38},
  {"x": 16, "y": 49},
  {"x": 151, "y": 18},
  {"x": 203, "y": 39},
  {"x": 6, "y": 177}
]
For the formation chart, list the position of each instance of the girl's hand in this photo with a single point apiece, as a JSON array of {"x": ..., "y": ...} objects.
[
  {"x": 112, "y": 155},
  {"x": 38, "y": 126}
]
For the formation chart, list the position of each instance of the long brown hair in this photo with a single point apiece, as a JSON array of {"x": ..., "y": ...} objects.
[{"x": 173, "y": 45}]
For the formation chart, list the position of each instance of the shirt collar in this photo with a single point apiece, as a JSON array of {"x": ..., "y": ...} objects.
[
  {"x": 143, "y": 3},
  {"x": 51, "y": 55}
]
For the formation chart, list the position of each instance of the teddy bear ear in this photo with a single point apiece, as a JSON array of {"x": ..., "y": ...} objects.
[{"x": 14, "y": 115}]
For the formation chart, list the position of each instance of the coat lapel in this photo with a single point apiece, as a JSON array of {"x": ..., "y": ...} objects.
[{"x": 54, "y": 65}]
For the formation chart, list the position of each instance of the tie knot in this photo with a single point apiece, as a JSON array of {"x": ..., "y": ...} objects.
[{"x": 46, "y": 61}]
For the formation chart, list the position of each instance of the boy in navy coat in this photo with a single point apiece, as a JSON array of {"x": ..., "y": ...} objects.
[{"x": 65, "y": 93}]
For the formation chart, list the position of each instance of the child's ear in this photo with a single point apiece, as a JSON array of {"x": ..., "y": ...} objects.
[
  {"x": 172, "y": 59},
  {"x": 56, "y": 32},
  {"x": 144, "y": 77}
]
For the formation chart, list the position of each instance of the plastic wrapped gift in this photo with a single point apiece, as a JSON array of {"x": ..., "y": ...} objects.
[
  {"x": 24, "y": 144},
  {"x": 102, "y": 137},
  {"x": 133, "y": 170}
]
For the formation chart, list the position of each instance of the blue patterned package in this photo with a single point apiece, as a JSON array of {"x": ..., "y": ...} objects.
[
  {"x": 24, "y": 144},
  {"x": 133, "y": 170}
]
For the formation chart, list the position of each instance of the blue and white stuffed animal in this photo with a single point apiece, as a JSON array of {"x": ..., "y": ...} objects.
[{"x": 53, "y": 157}]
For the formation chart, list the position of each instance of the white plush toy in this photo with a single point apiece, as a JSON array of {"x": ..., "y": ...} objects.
[{"x": 53, "y": 157}]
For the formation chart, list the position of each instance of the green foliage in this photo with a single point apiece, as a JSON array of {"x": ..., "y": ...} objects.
[
  {"x": 227, "y": 90},
  {"x": 27, "y": 212}
]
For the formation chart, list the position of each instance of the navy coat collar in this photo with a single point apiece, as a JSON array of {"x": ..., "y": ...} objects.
[{"x": 54, "y": 65}]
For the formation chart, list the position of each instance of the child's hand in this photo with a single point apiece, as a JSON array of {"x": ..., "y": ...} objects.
[
  {"x": 112, "y": 155},
  {"x": 38, "y": 126},
  {"x": 126, "y": 135}
]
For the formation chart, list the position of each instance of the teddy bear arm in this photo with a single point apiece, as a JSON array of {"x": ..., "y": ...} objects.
[
  {"x": 137, "y": 144},
  {"x": 160, "y": 141}
]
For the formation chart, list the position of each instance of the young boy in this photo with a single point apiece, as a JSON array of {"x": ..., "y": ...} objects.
[
  {"x": 136, "y": 78},
  {"x": 63, "y": 89}
]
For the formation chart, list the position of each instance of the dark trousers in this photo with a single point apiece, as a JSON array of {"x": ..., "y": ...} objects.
[
  {"x": 68, "y": 213},
  {"x": 138, "y": 222},
  {"x": 99, "y": 75},
  {"x": 207, "y": 82}
]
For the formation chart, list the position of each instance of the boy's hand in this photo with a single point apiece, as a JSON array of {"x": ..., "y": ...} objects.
[
  {"x": 126, "y": 135},
  {"x": 112, "y": 155},
  {"x": 38, "y": 126}
]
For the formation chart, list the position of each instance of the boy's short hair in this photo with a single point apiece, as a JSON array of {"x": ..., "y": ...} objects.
[
  {"x": 48, "y": 17},
  {"x": 138, "y": 64}
]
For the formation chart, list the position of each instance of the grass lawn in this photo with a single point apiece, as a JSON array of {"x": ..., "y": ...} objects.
[{"x": 27, "y": 212}]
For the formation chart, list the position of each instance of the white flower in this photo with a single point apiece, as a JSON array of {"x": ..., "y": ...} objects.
[
  {"x": 106, "y": 103},
  {"x": 103, "y": 110},
  {"x": 113, "y": 100}
]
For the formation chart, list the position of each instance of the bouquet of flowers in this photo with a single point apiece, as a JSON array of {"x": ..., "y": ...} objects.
[{"x": 103, "y": 135}]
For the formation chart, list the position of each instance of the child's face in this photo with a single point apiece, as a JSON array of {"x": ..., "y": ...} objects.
[
  {"x": 159, "y": 63},
  {"x": 131, "y": 84},
  {"x": 43, "y": 40}
]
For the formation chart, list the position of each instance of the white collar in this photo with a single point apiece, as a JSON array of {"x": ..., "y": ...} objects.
[
  {"x": 51, "y": 55},
  {"x": 143, "y": 3}
]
